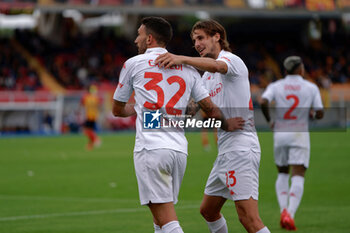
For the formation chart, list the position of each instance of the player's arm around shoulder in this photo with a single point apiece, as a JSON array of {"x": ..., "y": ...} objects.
[{"x": 167, "y": 60}]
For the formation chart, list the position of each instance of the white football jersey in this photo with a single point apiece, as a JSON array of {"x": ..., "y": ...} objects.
[
  {"x": 231, "y": 93},
  {"x": 294, "y": 97},
  {"x": 168, "y": 90}
]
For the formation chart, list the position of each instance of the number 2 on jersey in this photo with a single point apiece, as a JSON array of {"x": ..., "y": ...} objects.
[
  {"x": 288, "y": 114},
  {"x": 152, "y": 85}
]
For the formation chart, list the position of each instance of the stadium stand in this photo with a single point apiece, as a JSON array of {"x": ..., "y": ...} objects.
[
  {"x": 76, "y": 63},
  {"x": 15, "y": 73},
  {"x": 82, "y": 60}
]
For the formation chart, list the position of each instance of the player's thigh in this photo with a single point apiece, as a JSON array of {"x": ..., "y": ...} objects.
[{"x": 299, "y": 156}]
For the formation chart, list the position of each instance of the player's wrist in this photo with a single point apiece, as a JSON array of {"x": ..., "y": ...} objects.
[
  {"x": 224, "y": 124},
  {"x": 185, "y": 60},
  {"x": 312, "y": 115}
]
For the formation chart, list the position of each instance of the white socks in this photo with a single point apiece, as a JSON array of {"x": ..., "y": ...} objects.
[
  {"x": 172, "y": 227},
  {"x": 282, "y": 188},
  {"x": 218, "y": 226},
  {"x": 289, "y": 198},
  {"x": 264, "y": 230},
  {"x": 295, "y": 194}
]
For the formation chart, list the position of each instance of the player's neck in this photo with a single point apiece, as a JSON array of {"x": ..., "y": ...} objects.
[
  {"x": 155, "y": 45},
  {"x": 217, "y": 52}
]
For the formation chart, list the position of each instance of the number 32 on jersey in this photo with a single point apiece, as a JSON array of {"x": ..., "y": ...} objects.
[{"x": 153, "y": 85}]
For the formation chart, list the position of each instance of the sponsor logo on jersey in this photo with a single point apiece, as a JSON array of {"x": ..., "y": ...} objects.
[
  {"x": 120, "y": 85},
  {"x": 216, "y": 90}
]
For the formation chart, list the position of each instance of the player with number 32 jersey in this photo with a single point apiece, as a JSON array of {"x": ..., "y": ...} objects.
[{"x": 166, "y": 89}]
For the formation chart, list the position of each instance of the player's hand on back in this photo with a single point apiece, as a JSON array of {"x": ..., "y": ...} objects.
[
  {"x": 167, "y": 60},
  {"x": 234, "y": 124},
  {"x": 192, "y": 108}
]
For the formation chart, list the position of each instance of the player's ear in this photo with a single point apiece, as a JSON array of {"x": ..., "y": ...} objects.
[
  {"x": 149, "y": 39},
  {"x": 217, "y": 37}
]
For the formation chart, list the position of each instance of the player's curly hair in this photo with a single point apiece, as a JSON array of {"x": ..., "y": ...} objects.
[
  {"x": 211, "y": 27},
  {"x": 159, "y": 28}
]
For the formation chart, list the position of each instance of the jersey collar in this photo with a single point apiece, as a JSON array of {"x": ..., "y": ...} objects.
[
  {"x": 294, "y": 77},
  {"x": 221, "y": 53},
  {"x": 156, "y": 50}
]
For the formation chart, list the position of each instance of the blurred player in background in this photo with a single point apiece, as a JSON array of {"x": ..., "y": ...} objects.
[
  {"x": 235, "y": 174},
  {"x": 160, "y": 156},
  {"x": 205, "y": 135},
  {"x": 91, "y": 105},
  {"x": 296, "y": 100}
]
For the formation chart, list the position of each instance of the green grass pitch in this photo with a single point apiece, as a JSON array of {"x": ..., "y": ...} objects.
[{"x": 53, "y": 185}]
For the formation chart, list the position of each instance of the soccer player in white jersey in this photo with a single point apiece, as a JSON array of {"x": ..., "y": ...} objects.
[
  {"x": 235, "y": 174},
  {"x": 160, "y": 156},
  {"x": 296, "y": 100}
]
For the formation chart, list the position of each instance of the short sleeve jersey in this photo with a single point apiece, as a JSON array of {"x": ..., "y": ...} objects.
[
  {"x": 293, "y": 98},
  {"x": 231, "y": 93},
  {"x": 165, "y": 89}
]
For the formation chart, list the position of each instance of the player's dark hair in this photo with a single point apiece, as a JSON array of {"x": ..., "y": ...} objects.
[
  {"x": 159, "y": 28},
  {"x": 294, "y": 70},
  {"x": 211, "y": 27}
]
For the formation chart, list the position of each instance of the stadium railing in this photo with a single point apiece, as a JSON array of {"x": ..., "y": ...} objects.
[{"x": 19, "y": 109}]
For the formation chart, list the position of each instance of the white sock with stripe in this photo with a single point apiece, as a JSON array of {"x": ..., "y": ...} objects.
[
  {"x": 295, "y": 194},
  {"x": 282, "y": 187}
]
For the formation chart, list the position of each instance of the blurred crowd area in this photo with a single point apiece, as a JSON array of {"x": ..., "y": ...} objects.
[
  {"x": 266, "y": 4},
  {"x": 15, "y": 73},
  {"x": 97, "y": 57},
  {"x": 82, "y": 60}
]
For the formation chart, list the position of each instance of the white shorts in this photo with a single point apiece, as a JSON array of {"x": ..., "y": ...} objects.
[
  {"x": 159, "y": 174},
  {"x": 235, "y": 176},
  {"x": 292, "y": 155}
]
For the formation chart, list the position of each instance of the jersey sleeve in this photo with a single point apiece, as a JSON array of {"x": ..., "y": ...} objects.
[
  {"x": 317, "y": 101},
  {"x": 125, "y": 88},
  {"x": 235, "y": 66},
  {"x": 269, "y": 93},
  {"x": 198, "y": 92}
]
